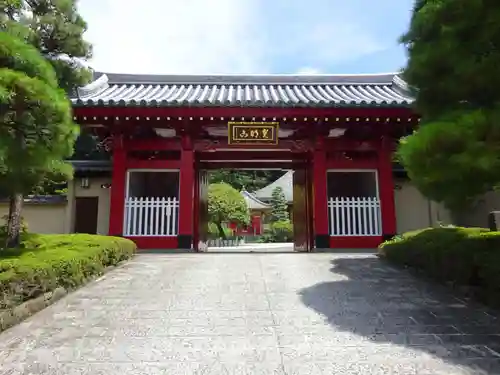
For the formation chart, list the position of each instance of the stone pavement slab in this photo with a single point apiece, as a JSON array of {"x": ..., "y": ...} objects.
[{"x": 262, "y": 314}]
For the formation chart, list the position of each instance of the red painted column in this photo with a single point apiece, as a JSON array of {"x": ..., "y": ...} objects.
[
  {"x": 320, "y": 198},
  {"x": 118, "y": 187},
  {"x": 186, "y": 195},
  {"x": 386, "y": 190}
]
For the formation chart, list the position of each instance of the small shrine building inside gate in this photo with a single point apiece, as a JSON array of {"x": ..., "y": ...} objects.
[{"x": 336, "y": 132}]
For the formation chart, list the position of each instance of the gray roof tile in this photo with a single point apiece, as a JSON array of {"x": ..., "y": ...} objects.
[
  {"x": 253, "y": 202},
  {"x": 285, "y": 182},
  {"x": 245, "y": 90}
]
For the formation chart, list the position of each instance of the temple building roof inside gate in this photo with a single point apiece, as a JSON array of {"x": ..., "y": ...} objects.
[
  {"x": 285, "y": 182},
  {"x": 254, "y": 203},
  {"x": 367, "y": 90}
]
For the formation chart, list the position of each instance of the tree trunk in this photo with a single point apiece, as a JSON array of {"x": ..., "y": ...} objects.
[
  {"x": 222, "y": 234},
  {"x": 14, "y": 223}
]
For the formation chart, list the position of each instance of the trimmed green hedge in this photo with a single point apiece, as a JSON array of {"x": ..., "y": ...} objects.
[
  {"x": 46, "y": 262},
  {"x": 462, "y": 256}
]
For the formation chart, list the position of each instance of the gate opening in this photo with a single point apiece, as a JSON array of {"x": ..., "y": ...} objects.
[{"x": 293, "y": 177}]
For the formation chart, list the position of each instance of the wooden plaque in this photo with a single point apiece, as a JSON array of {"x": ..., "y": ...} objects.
[{"x": 253, "y": 133}]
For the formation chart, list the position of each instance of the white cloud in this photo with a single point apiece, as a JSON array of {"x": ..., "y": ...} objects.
[
  {"x": 182, "y": 37},
  {"x": 308, "y": 71},
  {"x": 222, "y": 36}
]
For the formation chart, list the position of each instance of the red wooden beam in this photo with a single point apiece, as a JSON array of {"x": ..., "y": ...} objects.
[
  {"x": 154, "y": 144},
  {"x": 152, "y": 164},
  {"x": 345, "y": 144},
  {"x": 236, "y": 112},
  {"x": 245, "y": 155},
  {"x": 269, "y": 151},
  {"x": 222, "y": 143},
  {"x": 248, "y": 165}
]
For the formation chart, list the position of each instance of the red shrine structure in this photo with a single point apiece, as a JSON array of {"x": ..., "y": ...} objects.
[{"x": 336, "y": 132}]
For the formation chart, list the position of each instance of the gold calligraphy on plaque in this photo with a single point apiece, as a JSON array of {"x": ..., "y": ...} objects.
[{"x": 255, "y": 133}]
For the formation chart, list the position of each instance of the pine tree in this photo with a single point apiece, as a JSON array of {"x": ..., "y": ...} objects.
[
  {"x": 36, "y": 127},
  {"x": 279, "y": 210},
  {"x": 55, "y": 29},
  {"x": 453, "y": 52}
]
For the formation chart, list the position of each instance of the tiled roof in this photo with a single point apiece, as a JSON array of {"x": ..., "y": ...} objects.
[
  {"x": 41, "y": 199},
  {"x": 91, "y": 165},
  {"x": 253, "y": 202},
  {"x": 245, "y": 91},
  {"x": 285, "y": 182}
]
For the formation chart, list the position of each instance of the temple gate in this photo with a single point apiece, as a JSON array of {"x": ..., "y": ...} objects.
[{"x": 336, "y": 132}]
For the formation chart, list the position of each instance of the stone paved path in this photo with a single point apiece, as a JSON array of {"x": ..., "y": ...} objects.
[{"x": 255, "y": 314}]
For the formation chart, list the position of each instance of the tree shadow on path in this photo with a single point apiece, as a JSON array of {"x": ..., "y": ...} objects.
[{"x": 385, "y": 305}]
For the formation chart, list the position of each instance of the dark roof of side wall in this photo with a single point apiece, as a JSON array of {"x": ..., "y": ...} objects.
[{"x": 370, "y": 90}]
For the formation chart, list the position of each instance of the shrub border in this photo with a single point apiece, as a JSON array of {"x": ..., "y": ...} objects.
[{"x": 17, "y": 314}]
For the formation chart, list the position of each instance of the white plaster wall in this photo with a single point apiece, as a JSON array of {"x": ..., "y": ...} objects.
[
  {"x": 414, "y": 211},
  {"x": 41, "y": 218}
]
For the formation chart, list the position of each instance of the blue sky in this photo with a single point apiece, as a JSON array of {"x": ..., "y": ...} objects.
[{"x": 247, "y": 36}]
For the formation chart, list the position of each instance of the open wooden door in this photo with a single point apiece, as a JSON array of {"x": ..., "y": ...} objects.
[
  {"x": 301, "y": 215},
  {"x": 201, "y": 210}
]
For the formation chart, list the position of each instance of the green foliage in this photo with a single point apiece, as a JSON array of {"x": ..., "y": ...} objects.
[
  {"x": 248, "y": 180},
  {"x": 19, "y": 56},
  {"x": 23, "y": 227},
  {"x": 279, "y": 231},
  {"x": 36, "y": 127},
  {"x": 54, "y": 28},
  {"x": 36, "y": 132},
  {"x": 454, "y": 53},
  {"x": 87, "y": 147},
  {"x": 213, "y": 231},
  {"x": 455, "y": 159},
  {"x": 226, "y": 204},
  {"x": 46, "y": 262},
  {"x": 279, "y": 206},
  {"x": 462, "y": 256},
  {"x": 282, "y": 231}
]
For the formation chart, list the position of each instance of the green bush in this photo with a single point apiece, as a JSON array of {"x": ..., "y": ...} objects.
[
  {"x": 266, "y": 238},
  {"x": 213, "y": 231},
  {"x": 462, "y": 256},
  {"x": 46, "y": 262},
  {"x": 282, "y": 231}
]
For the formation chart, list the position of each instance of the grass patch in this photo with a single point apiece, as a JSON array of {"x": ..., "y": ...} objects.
[
  {"x": 465, "y": 257},
  {"x": 45, "y": 262}
]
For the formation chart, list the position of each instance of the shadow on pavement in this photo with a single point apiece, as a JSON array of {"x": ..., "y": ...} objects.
[{"x": 387, "y": 305}]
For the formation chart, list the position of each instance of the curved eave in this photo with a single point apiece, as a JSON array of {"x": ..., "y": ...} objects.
[
  {"x": 164, "y": 104},
  {"x": 253, "y": 203}
]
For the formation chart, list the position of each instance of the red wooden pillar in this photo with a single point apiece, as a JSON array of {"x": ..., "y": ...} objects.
[
  {"x": 386, "y": 190},
  {"x": 186, "y": 195},
  {"x": 196, "y": 207},
  {"x": 320, "y": 198},
  {"x": 118, "y": 187}
]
